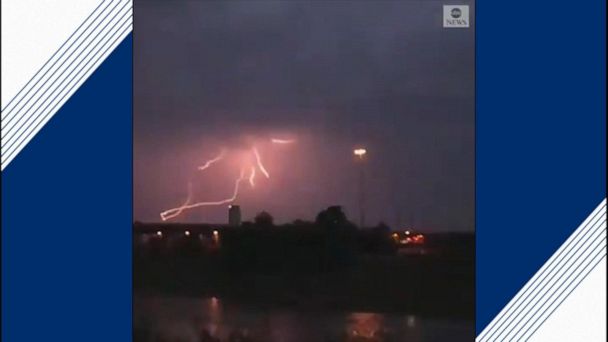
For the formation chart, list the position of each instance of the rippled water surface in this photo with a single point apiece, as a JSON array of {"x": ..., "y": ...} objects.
[{"x": 210, "y": 319}]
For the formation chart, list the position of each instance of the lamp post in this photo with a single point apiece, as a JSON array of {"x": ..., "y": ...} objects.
[{"x": 360, "y": 154}]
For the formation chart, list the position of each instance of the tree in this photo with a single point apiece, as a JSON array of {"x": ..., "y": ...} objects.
[
  {"x": 264, "y": 219},
  {"x": 339, "y": 239},
  {"x": 332, "y": 217}
]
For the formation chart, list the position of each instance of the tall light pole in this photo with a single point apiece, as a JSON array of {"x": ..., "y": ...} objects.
[{"x": 360, "y": 154}]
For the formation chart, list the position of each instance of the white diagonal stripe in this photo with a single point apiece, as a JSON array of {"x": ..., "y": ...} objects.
[
  {"x": 542, "y": 294},
  {"x": 533, "y": 326},
  {"x": 554, "y": 280},
  {"x": 74, "y": 40},
  {"x": 63, "y": 74},
  {"x": 16, "y": 123},
  {"x": 581, "y": 314}
]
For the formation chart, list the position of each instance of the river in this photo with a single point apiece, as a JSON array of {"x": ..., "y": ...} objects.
[{"x": 188, "y": 319}]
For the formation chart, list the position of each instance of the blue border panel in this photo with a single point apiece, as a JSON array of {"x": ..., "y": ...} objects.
[
  {"x": 541, "y": 138},
  {"x": 66, "y": 224}
]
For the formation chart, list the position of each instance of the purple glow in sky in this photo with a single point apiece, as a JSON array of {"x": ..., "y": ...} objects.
[{"x": 212, "y": 76}]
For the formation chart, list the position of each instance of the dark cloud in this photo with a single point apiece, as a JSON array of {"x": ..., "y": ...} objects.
[{"x": 337, "y": 74}]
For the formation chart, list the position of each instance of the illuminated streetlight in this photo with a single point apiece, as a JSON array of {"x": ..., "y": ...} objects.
[
  {"x": 359, "y": 152},
  {"x": 187, "y": 233},
  {"x": 159, "y": 233}
]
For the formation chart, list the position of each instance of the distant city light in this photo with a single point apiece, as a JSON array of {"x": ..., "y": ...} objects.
[
  {"x": 159, "y": 233},
  {"x": 410, "y": 237},
  {"x": 419, "y": 239},
  {"x": 187, "y": 233}
]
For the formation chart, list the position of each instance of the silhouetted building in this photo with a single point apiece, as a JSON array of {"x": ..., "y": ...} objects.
[{"x": 234, "y": 215}]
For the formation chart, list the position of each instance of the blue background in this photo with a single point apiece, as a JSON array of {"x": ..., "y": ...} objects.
[
  {"x": 541, "y": 138},
  {"x": 66, "y": 224}
]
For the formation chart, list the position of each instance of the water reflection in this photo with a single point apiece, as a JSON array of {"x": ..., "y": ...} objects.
[
  {"x": 213, "y": 320},
  {"x": 367, "y": 325}
]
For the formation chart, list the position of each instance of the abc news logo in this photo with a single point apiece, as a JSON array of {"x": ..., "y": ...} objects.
[{"x": 455, "y": 16}]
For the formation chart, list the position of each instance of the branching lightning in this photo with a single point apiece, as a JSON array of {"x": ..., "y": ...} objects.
[
  {"x": 179, "y": 210},
  {"x": 258, "y": 159},
  {"x": 249, "y": 164},
  {"x": 212, "y": 161},
  {"x": 252, "y": 177},
  {"x": 167, "y": 214},
  {"x": 282, "y": 141}
]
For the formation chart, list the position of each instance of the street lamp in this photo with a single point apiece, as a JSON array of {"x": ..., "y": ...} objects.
[
  {"x": 359, "y": 152},
  {"x": 359, "y": 155}
]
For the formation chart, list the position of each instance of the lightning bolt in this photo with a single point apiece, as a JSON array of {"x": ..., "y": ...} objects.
[
  {"x": 252, "y": 177},
  {"x": 282, "y": 141},
  {"x": 181, "y": 208},
  {"x": 210, "y": 162},
  {"x": 259, "y": 162},
  {"x": 167, "y": 214},
  {"x": 174, "y": 212}
]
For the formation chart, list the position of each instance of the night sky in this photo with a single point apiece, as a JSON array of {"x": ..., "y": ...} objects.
[{"x": 332, "y": 75}]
